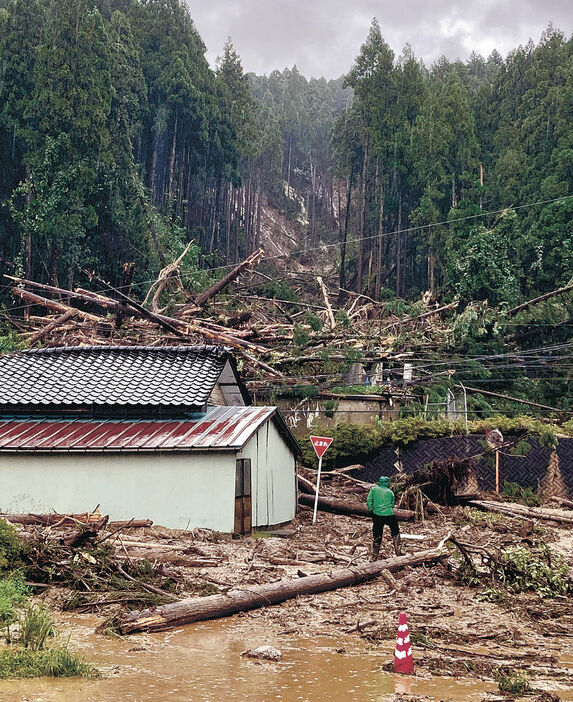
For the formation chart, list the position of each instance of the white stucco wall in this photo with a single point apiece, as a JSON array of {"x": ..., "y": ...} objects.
[
  {"x": 273, "y": 476},
  {"x": 176, "y": 490}
]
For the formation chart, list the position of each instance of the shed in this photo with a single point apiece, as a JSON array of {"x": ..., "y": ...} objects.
[{"x": 135, "y": 430}]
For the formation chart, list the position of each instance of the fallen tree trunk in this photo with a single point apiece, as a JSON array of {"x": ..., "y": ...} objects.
[
  {"x": 168, "y": 326},
  {"x": 241, "y": 600},
  {"x": 53, "y": 305},
  {"x": 329, "y": 312},
  {"x": 52, "y": 519},
  {"x": 249, "y": 262},
  {"x": 330, "y": 504},
  {"x": 562, "y": 502},
  {"x": 131, "y": 523},
  {"x": 541, "y": 298},
  {"x": 305, "y": 485},
  {"x": 513, "y": 510},
  {"x": 36, "y": 336}
]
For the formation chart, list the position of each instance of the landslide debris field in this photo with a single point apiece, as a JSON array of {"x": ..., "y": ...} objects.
[{"x": 497, "y": 605}]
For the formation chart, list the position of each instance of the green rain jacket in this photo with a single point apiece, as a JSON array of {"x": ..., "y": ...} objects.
[{"x": 380, "y": 499}]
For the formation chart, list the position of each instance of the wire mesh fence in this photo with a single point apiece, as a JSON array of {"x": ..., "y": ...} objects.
[{"x": 547, "y": 470}]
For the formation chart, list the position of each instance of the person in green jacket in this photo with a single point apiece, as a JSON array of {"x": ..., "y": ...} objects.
[{"x": 380, "y": 502}]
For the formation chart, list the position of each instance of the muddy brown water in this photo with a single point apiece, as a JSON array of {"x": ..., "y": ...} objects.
[{"x": 203, "y": 663}]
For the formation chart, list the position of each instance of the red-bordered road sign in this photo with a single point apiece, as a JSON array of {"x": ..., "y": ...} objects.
[{"x": 320, "y": 443}]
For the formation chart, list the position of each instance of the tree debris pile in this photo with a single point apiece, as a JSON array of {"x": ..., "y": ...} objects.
[
  {"x": 439, "y": 482},
  {"x": 262, "y": 328}
]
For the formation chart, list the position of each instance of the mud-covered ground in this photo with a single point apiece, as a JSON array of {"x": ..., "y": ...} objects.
[{"x": 453, "y": 630}]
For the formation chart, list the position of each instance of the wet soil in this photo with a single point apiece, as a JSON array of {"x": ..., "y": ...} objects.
[{"x": 336, "y": 644}]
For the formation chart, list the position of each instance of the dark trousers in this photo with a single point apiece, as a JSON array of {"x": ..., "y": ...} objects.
[{"x": 378, "y": 527}]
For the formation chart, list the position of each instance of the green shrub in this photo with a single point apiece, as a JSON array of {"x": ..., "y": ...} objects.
[
  {"x": 279, "y": 290},
  {"x": 523, "y": 495},
  {"x": 513, "y": 683},
  {"x": 313, "y": 321},
  {"x": 330, "y": 408},
  {"x": 12, "y": 594},
  {"x": 542, "y": 572},
  {"x": 12, "y": 548},
  {"x": 305, "y": 391},
  {"x": 492, "y": 594},
  {"x": 300, "y": 336}
]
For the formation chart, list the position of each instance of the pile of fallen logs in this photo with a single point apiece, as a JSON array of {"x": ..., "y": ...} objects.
[{"x": 260, "y": 329}]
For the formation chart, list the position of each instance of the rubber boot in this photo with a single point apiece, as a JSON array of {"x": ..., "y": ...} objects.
[
  {"x": 375, "y": 551},
  {"x": 397, "y": 545}
]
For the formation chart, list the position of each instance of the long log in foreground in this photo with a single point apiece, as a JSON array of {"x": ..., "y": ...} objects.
[
  {"x": 330, "y": 504},
  {"x": 198, "y": 609},
  {"x": 513, "y": 510}
]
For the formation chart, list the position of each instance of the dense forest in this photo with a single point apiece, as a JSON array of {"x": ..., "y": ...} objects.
[{"x": 119, "y": 143}]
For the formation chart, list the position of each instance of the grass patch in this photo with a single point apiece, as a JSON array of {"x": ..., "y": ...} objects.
[
  {"x": 57, "y": 662},
  {"x": 36, "y": 627}
]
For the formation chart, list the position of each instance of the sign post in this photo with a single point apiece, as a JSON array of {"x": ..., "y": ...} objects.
[
  {"x": 494, "y": 439},
  {"x": 320, "y": 444}
]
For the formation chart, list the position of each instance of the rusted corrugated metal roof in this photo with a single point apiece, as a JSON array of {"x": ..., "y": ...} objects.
[
  {"x": 221, "y": 428},
  {"x": 111, "y": 375}
]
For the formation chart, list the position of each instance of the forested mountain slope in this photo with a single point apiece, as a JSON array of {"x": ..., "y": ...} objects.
[{"x": 118, "y": 143}]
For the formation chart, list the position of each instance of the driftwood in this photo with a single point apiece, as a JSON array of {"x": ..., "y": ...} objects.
[
  {"x": 37, "y": 336},
  {"x": 514, "y": 510},
  {"x": 158, "y": 319},
  {"x": 131, "y": 523},
  {"x": 243, "y": 599},
  {"x": 305, "y": 485},
  {"x": 170, "y": 272},
  {"x": 86, "y": 532},
  {"x": 249, "y": 262},
  {"x": 330, "y": 504},
  {"x": 128, "y": 272},
  {"x": 53, "y": 305}
]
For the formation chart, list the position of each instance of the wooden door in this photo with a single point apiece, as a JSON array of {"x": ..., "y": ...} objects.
[{"x": 243, "y": 496}]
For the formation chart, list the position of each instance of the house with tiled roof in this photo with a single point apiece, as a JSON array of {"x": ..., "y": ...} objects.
[{"x": 162, "y": 433}]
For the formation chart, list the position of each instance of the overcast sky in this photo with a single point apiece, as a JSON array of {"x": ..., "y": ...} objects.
[{"x": 322, "y": 37}]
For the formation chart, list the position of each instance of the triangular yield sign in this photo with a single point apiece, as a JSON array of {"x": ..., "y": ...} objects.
[{"x": 320, "y": 443}]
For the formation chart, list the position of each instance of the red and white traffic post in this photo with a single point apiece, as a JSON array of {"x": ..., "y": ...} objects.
[{"x": 320, "y": 444}]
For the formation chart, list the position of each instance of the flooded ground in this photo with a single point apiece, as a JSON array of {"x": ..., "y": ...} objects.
[
  {"x": 203, "y": 663},
  {"x": 337, "y": 644}
]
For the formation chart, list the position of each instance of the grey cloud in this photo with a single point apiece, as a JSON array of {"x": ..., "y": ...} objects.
[{"x": 323, "y": 37}]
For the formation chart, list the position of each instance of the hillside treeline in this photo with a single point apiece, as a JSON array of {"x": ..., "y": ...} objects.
[
  {"x": 437, "y": 170},
  {"x": 119, "y": 143}
]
